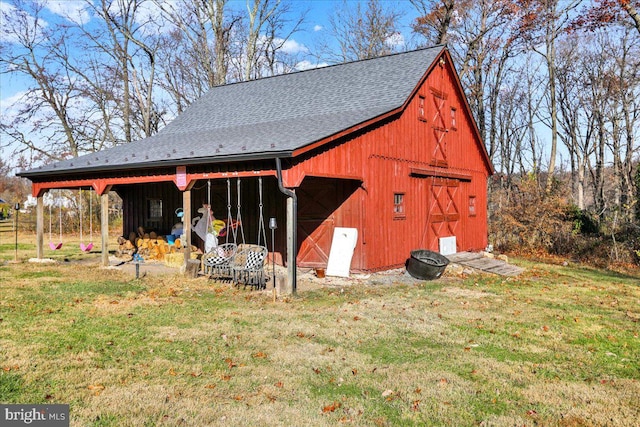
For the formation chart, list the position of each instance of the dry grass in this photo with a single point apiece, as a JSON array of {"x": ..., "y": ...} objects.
[{"x": 558, "y": 346}]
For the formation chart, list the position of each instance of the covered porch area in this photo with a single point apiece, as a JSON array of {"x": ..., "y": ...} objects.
[{"x": 152, "y": 200}]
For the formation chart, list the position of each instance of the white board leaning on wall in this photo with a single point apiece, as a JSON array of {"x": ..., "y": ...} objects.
[{"x": 342, "y": 247}]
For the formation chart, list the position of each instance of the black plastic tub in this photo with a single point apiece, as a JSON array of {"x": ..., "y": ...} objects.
[{"x": 426, "y": 265}]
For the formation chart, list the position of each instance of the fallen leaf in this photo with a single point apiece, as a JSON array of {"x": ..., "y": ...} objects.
[
  {"x": 279, "y": 384},
  {"x": 96, "y": 389},
  {"x": 226, "y": 377},
  {"x": 354, "y": 371},
  {"x": 210, "y": 386},
  {"x": 260, "y": 355},
  {"x": 332, "y": 407},
  {"x": 387, "y": 393}
]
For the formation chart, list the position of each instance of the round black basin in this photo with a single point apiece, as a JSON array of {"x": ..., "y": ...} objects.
[{"x": 426, "y": 265}]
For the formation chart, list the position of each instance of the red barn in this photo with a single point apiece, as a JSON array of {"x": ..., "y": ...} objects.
[{"x": 387, "y": 146}]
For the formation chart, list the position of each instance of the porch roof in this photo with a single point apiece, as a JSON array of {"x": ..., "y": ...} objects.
[{"x": 266, "y": 118}]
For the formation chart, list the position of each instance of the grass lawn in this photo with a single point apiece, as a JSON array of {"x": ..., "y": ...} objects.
[{"x": 556, "y": 346}]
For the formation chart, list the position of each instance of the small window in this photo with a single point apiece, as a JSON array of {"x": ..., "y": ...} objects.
[
  {"x": 454, "y": 125},
  {"x": 472, "y": 205},
  {"x": 398, "y": 205},
  {"x": 154, "y": 209},
  {"x": 421, "y": 110}
]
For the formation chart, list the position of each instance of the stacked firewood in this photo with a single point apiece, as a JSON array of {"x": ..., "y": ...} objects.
[{"x": 149, "y": 246}]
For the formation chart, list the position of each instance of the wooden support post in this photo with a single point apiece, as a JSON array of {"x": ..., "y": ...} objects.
[
  {"x": 291, "y": 247},
  {"x": 104, "y": 227},
  {"x": 40, "y": 227},
  {"x": 186, "y": 225}
]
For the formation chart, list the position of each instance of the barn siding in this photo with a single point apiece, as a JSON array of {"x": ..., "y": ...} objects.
[{"x": 384, "y": 156}]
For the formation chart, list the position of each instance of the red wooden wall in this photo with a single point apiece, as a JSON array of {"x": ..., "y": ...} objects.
[{"x": 430, "y": 154}]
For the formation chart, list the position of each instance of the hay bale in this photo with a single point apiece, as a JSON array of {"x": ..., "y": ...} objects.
[{"x": 176, "y": 259}]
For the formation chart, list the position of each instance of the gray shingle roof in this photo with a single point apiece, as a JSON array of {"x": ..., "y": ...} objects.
[{"x": 268, "y": 117}]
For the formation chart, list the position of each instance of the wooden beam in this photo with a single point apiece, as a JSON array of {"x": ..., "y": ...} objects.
[
  {"x": 104, "y": 224},
  {"x": 40, "y": 227},
  {"x": 291, "y": 247},
  {"x": 100, "y": 185},
  {"x": 440, "y": 173},
  {"x": 186, "y": 226}
]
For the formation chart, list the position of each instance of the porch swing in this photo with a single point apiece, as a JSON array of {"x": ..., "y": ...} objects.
[
  {"x": 217, "y": 262},
  {"x": 240, "y": 262},
  {"x": 248, "y": 263},
  {"x": 88, "y": 247},
  {"x": 55, "y": 246}
]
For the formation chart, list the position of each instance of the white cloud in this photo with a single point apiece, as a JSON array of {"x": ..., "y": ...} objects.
[
  {"x": 17, "y": 24},
  {"x": 289, "y": 47},
  {"x": 308, "y": 65},
  {"x": 317, "y": 28},
  {"x": 9, "y": 106},
  {"x": 395, "y": 40},
  {"x": 75, "y": 11},
  {"x": 153, "y": 21},
  {"x": 292, "y": 47}
]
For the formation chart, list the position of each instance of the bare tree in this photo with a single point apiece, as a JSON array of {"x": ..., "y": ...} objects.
[
  {"x": 264, "y": 36},
  {"x": 576, "y": 118},
  {"x": 542, "y": 24},
  {"x": 603, "y": 13},
  {"x": 434, "y": 18},
  {"x": 364, "y": 32},
  {"x": 39, "y": 52},
  {"x": 130, "y": 40}
]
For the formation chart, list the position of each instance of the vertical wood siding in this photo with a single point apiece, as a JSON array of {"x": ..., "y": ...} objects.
[{"x": 384, "y": 157}]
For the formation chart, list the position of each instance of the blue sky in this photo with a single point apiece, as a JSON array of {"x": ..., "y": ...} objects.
[{"x": 314, "y": 28}]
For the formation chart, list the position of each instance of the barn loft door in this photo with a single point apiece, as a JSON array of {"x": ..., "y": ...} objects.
[
  {"x": 444, "y": 211},
  {"x": 439, "y": 153}
]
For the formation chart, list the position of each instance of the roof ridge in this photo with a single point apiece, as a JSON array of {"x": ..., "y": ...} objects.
[{"x": 309, "y": 70}]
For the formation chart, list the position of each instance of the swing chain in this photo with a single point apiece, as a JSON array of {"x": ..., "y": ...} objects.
[{"x": 261, "y": 228}]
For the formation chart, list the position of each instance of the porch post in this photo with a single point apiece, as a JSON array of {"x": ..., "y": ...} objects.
[
  {"x": 186, "y": 225},
  {"x": 40, "y": 226},
  {"x": 291, "y": 245},
  {"x": 104, "y": 227}
]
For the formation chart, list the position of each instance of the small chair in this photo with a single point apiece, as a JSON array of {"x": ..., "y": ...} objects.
[
  {"x": 217, "y": 263},
  {"x": 248, "y": 266}
]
